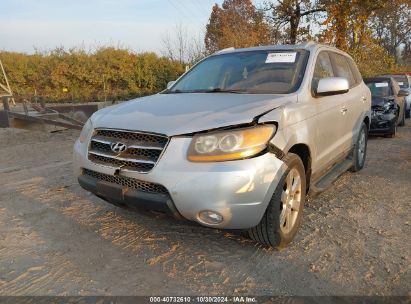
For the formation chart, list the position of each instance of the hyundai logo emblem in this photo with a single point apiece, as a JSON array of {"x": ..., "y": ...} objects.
[{"x": 118, "y": 147}]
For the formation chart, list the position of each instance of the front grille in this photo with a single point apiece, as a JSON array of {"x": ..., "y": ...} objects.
[
  {"x": 127, "y": 182},
  {"x": 141, "y": 154}
]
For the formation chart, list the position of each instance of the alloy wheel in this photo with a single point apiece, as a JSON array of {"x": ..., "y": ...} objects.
[
  {"x": 290, "y": 201},
  {"x": 361, "y": 146}
]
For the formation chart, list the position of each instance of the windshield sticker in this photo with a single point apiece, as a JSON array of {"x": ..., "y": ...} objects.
[
  {"x": 381, "y": 84},
  {"x": 281, "y": 57}
]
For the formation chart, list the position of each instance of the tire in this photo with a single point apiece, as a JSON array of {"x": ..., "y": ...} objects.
[
  {"x": 393, "y": 133},
  {"x": 360, "y": 149},
  {"x": 408, "y": 113},
  {"x": 272, "y": 229},
  {"x": 402, "y": 122}
]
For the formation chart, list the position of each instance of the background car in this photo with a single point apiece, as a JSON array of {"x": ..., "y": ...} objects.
[
  {"x": 388, "y": 105},
  {"x": 404, "y": 82}
]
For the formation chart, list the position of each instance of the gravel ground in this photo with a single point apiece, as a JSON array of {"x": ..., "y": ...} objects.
[{"x": 56, "y": 239}]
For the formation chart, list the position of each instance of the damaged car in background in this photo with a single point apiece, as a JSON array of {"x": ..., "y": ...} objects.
[
  {"x": 236, "y": 142},
  {"x": 388, "y": 105},
  {"x": 404, "y": 82}
]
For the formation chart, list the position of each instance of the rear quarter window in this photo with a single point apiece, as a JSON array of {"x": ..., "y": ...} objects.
[{"x": 354, "y": 70}]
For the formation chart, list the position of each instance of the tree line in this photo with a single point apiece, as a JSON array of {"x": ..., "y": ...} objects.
[
  {"x": 377, "y": 33},
  {"x": 107, "y": 73}
]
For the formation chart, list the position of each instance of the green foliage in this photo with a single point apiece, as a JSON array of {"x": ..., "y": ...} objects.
[
  {"x": 115, "y": 74},
  {"x": 373, "y": 60}
]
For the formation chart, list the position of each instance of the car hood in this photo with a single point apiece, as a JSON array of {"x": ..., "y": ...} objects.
[
  {"x": 380, "y": 101},
  {"x": 176, "y": 114}
]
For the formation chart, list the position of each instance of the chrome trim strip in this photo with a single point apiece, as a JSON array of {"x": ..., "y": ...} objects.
[
  {"x": 130, "y": 131},
  {"x": 104, "y": 140},
  {"x": 133, "y": 160}
]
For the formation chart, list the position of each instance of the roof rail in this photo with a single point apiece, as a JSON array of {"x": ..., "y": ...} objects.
[
  {"x": 308, "y": 43},
  {"x": 225, "y": 50}
]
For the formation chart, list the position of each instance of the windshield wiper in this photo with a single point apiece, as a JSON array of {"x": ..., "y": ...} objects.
[
  {"x": 172, "y": 92},
  {"x": 215, "y": 90},
  {"x": 220, "y": 90}
]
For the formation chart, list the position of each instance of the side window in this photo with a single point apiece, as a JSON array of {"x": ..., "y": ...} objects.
[
  {"x": 355, "y": 71},
  {"x": 341, "y": 68},
  {"x": 323, "y": 69}
]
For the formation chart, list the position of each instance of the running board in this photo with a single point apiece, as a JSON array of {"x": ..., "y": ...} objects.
[{"x": 327, "y": 180}]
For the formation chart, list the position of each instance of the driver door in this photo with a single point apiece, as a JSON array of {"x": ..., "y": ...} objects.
[{"x": 330, "y": 119}]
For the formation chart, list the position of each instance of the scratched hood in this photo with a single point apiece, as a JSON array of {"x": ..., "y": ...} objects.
[{"x": 176, "y": 114}]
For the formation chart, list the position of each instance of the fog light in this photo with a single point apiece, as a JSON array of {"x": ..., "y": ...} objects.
[{"x": 210, "y": 217}]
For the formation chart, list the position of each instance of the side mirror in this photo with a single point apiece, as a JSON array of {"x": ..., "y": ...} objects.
[
  {"x": 170, "y": 84},
  {"x": 332, "y": 86},
  {"x": 403, "y": 93}
]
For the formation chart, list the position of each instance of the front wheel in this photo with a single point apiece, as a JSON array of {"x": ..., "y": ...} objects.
[
  {"x": 360, "y": 149},
  {"x": 402, "y": 122},
  {"x": 282, "y": 217},
  {"x": 393, "y": 132}
]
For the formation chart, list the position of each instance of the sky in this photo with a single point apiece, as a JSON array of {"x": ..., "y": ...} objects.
[{"x": 26, "y": 25}]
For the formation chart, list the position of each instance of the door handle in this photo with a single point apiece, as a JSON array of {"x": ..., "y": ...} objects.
[{"x": 343, "y": 110}]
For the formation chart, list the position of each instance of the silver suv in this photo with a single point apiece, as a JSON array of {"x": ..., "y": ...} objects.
[{"x": 236, "y": 142}]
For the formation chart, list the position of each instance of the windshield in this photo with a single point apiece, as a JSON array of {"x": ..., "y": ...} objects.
[
  {"x": 255, "y": 72},
  {"x": 379, "y": 88},
  {"x": 402, "y": 81}
]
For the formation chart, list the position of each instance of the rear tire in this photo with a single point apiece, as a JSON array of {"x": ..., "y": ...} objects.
[
  {"x": 282, "y": 218},
  {"x": 360, "y": 149}
]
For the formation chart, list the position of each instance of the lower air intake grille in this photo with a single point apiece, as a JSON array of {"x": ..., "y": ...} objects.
[{"x": 127, "y": 182}]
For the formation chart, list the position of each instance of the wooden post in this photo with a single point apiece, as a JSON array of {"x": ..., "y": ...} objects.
[
  {"x": 42, "y": 103},
  {"x": 6, "y": 104},
  {"x": 26, "y": 110}
]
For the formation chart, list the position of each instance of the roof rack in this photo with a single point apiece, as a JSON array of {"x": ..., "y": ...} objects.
[
  {"x": 308, "y": 43},
  {"x": 225, "y": 50}
]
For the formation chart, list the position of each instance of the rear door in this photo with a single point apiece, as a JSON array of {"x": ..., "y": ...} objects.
[{"x": 351, "y": 102}]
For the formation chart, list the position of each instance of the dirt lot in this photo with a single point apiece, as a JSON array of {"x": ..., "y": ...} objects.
[{"x": 56, "y": 239}]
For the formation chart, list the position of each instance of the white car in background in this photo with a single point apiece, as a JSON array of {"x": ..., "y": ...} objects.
[{"x": 404, "y": 81}]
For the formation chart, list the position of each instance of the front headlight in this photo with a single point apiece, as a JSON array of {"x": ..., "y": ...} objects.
[
  {"x": 85, "y": 132},
  {"x": 231, "y": 144}
]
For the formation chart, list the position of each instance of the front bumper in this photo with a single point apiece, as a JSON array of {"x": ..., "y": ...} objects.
[
  {"x": 383, "y": 123},
  {"x": 118, "y": 194},
  {"x": 238, "y": 190}
]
